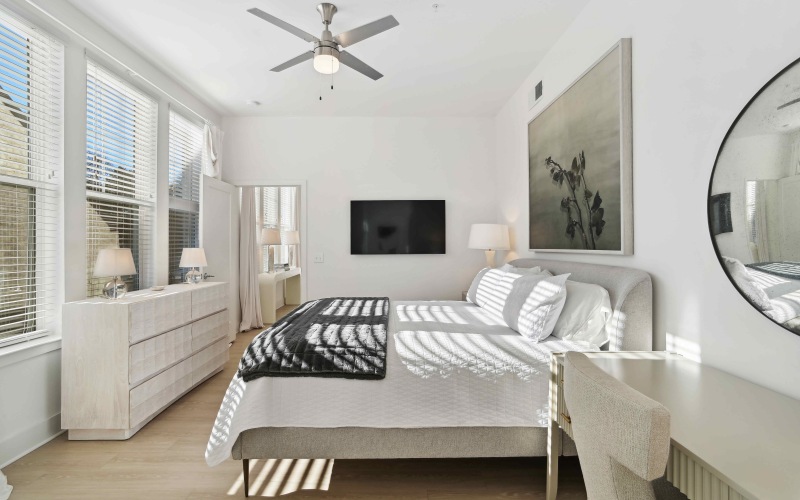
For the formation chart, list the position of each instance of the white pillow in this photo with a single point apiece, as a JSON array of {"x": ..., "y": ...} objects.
[
  {"x": 473, "y": 288},
  {"x": 493, "y": 290},
  {"x": 506, "y": 268},
  {"x": 534, "y": 304},
  {"x": 585, "y": 315},
  {"x": 744, "y": 281}
]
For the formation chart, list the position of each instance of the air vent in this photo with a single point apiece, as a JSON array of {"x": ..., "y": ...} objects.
[{"x": 534, "y": 95}]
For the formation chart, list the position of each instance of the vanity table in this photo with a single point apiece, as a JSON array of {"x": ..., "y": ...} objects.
[
  {"x": 268, "y": 284},
  {"x": 730, "y": 439}
]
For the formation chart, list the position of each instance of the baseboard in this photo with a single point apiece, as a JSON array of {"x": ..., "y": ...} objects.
[{"x": 27, "y": 440}]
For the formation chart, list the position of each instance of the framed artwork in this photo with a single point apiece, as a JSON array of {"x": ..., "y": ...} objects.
[{"x": 580, "y": 153}]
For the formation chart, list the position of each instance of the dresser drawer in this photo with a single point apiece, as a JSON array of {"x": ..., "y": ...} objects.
[
  {"x": 151, "y": 317},
  {"x": 148, "y": 398},
  {"x": 209, "y": 360},
  {"x": 153, "y": 355},
  {"x": 207, "y": 330},
  {"x": 209, "y": 299}
]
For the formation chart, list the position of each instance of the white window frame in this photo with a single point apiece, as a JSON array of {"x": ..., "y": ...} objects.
[
  {"x": 143, "y": 188},
  {"x": 41, "y": 153}
]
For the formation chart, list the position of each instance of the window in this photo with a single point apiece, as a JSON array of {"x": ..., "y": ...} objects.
[
  {"x": 121, "y": 127},
  {"x": 278, "y": 210},
  {"x": 31, "y": 67},
  {"x": 185, "y": 166}
]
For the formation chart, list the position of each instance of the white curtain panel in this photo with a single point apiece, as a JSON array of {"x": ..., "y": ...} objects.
[
  {"x": 212, "y": 143},
  {"x": 762, "y": 226},
  {"x": 249, "y": 267},
  {"x": 5, "y": 488}
]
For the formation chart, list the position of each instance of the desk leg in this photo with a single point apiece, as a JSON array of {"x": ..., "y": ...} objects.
[
  {"x": 553, "y": 435},
  {"x": 268, "y": 306},
  {"x": 292, "y": 290}
]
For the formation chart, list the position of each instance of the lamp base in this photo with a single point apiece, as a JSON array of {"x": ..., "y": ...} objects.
[
  {"x": 490, "y": 258},
  {"x": 194, "y": 276},
  {"x": 115, "y": 289}
]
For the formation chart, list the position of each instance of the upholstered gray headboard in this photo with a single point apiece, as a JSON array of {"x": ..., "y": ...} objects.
[{"x": 631, "y": 292}]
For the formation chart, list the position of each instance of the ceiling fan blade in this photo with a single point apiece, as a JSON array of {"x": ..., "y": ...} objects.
[
  {"x": 283, "y": 25},
  {"x": 305, "y": 56},
  {"x": 352, "y": 61},
  {"x": 356, "y": 35}
]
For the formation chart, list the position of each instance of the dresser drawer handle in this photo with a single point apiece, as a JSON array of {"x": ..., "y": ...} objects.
[{"x": 566, "y": 417}]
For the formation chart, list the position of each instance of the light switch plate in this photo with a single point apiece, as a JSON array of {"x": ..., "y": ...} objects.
[{"x": 319, "y": 258}]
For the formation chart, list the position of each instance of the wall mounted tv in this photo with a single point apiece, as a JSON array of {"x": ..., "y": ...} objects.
[{"x": 397, "y": 227}]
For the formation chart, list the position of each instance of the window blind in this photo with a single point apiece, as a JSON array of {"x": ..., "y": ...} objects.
[
  {"x": 185, "y": 166},
  {"x": 31, "y": 69},
  {"x": 183, "y": 233},
  {"x": 750, "y": 210},
  {"x": 121, "y": 131}
]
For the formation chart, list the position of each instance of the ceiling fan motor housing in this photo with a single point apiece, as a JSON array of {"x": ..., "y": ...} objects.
[{"x": 326, "y": 54}]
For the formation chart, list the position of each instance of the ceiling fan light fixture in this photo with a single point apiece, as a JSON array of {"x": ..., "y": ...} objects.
[{"x": 326, "y": 60}]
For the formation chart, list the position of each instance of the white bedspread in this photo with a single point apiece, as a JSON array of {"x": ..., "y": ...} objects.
[{"x": 449, "y": 364}]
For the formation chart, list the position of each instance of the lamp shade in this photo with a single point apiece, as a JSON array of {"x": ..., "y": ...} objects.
[
  {"x": 290, "y": 238},
  {"x": 193, "y": 257},
  {"x": 114, "y": 262},
  {"x": 488, "y": 237},
  {"x": 270, "y": 236}
]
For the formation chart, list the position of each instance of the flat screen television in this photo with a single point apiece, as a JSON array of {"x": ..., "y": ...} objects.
[{"x": 397, "y": 227}]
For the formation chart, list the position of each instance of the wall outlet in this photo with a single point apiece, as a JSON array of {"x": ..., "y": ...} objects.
[{"x": 319, "y": 258}]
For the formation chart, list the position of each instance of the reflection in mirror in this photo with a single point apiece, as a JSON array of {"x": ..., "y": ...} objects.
[{"x": 754, "y": 200}]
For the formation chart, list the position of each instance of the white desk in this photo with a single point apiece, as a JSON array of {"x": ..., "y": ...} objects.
[
  {"x": 731, "y": 439},
  {"x": 268, "y": 284}
]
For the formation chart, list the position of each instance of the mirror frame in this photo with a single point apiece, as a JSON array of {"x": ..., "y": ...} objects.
[{"x": 711, "y": 183}]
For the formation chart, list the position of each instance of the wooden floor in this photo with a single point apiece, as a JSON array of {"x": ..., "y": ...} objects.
[{"x": 165, "y": 461}]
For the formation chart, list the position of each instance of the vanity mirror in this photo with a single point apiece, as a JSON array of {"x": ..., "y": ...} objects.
[{"x": 754, "y": 200}]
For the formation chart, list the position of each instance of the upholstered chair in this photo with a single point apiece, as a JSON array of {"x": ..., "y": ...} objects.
[{"x": 622, "y": 436}]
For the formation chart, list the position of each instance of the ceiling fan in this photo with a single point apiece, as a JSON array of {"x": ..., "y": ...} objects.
[{"x": 327, "y": 53}]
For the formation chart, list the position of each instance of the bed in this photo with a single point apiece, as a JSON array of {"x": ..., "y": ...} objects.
[
  {"x": 781, "y": 282},
  {"x": 458, "y": 384}
]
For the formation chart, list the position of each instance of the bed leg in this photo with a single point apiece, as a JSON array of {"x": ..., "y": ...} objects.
[{"x": 246, "y": 471}]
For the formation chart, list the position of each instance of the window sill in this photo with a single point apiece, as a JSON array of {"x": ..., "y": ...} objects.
[{"x": 29, "y": 349}]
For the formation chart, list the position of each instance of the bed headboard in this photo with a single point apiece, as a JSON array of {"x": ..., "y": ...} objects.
[{"x": 631, "y": 292}]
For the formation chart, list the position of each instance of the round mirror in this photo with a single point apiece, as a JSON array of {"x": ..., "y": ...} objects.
[{"x": 754, "y": 200}]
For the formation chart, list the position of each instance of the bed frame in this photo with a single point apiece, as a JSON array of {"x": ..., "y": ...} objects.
[{"x": 631, "y": 294}]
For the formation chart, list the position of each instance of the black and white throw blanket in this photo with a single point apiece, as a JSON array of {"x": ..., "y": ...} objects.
[
  {"x": 790, "y": 270},
  {"x": 342, "y": 337}
]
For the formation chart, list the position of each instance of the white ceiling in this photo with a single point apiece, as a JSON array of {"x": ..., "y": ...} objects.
[
  {"x": 775, "y": 110},
  {"x": 466, "y": 59}
]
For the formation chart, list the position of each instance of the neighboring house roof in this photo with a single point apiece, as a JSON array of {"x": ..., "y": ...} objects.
[{"x": 13, "y": 108}]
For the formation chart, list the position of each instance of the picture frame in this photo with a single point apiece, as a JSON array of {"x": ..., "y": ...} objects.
[{"x": 580, "y": 162}]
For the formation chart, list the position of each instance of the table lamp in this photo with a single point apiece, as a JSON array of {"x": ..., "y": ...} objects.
[
  {"x": 270, "y": 237},
  {"x": 291, "y": 238},
  {"x": 194, "y": 258},
  {"x": 115, "y": 262},
  {"x": 489, "y": 237}
]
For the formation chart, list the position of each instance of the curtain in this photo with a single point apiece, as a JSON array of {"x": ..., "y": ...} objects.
[
  {"x": 5, "y": 488},
  {"x": 212, "y": 149},
  {"x": 761, "y": 225},
  {"x": 249, "y": 266}
]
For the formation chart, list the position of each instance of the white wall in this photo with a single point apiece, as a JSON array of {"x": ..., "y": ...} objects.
[
  {"x": 30, "y": 373},
  {"x": 754, "y": 157},
  {"x": 695, "y": 65},
  {"x": 345, "y": 159}
]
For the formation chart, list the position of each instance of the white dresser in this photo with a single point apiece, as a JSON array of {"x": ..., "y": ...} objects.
[{"x": 125, "y": 361}]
